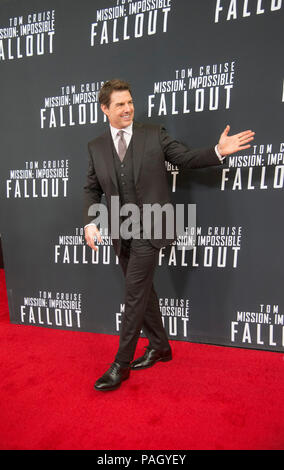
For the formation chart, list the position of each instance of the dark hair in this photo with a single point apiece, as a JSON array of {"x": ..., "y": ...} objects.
[{"x": 110, "y": 86}]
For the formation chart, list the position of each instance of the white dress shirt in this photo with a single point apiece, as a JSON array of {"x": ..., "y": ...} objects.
[{"x": 128, "y": 131}]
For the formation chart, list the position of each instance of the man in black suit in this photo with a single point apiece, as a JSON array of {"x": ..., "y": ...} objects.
[{"x": 128, "y": 162}]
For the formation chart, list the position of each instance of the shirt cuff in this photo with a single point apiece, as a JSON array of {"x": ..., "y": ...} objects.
[
  {"x": 218, "y": 154},
  {"x": 89, "y": 224}
]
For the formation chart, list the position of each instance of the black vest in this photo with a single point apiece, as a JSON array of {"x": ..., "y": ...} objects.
[
  {"x": 126, "y": 185},
  {"x": 125, "y": 176}
]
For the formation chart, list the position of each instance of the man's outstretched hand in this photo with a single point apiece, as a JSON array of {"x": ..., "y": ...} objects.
[{"x": 229, "y": 144}]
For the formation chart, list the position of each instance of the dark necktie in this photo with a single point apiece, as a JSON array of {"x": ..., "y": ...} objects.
[{"x": 122, "y": 147}]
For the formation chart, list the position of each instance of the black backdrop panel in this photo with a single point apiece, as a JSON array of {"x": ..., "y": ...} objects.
[{"x": 194, "y": 67}]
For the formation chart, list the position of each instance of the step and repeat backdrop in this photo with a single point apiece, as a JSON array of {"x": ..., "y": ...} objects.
[{"x": 194, "y": 66}]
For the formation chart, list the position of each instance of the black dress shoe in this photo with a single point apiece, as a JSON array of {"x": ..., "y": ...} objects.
[
  {"x": 112, "y": 378},
  {"x": 150, "y": 358}
]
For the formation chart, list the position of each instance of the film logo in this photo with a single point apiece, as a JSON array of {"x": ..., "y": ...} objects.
[
  {"x": 74, "y": 105},
  {"x": 52, "y": 309},
  {"x": 29, "y": 36},
  {"x": 130, "y": 20},
  {"x": 261, "y": 328},
  {"x": 47, "y": 179}
]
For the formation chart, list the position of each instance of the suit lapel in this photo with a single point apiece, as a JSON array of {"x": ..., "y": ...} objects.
[{"x": 138, "y": 141}]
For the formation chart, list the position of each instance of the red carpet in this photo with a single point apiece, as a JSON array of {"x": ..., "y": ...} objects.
[{"x": 208, "y": 397}]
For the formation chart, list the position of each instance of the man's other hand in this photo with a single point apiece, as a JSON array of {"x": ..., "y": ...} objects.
[{"x": 92, "y": 232}]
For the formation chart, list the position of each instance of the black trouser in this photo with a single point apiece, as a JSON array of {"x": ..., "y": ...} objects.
[{"x": 138, "y": 259}]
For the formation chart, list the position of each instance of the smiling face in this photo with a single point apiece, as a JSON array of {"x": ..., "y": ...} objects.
[{"x": 120, "y": 111}]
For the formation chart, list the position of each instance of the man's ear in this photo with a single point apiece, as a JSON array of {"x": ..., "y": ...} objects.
[{"x": 104, "y": 109}]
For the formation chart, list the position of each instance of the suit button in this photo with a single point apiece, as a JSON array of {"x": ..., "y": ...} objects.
[{"x": 122, "y": 174}]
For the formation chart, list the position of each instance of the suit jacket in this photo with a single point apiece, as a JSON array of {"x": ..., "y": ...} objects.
[{"x": 151, "y": 147}]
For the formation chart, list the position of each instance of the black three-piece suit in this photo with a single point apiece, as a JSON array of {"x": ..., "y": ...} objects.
[{"x": 141, "y": 178}]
